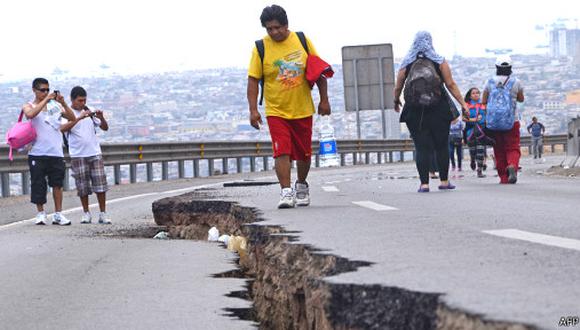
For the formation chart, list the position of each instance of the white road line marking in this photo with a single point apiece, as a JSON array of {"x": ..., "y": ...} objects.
[
  {"x": 121, "y": 199},
  {"x": 333, "y": 182},
  {"x": 330, "y": 189},
  {"x": 375, "y": 206},
  {"x": 566, "y": 243}
]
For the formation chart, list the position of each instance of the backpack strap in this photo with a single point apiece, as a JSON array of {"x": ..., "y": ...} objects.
[
  {"x": 261, "y": 53},
  {"x": 509, "y": 83},
  {"x": 260, "y": 48},
  {"x": 65, "y": 136},
  {"x": 93, "y": 120},
  {"x": 302, "y": 38}
]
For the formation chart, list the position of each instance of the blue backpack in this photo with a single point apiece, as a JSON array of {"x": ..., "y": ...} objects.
[{"x": 500, "y": 108}]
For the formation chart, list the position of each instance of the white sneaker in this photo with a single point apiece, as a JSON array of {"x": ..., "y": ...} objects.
[
  {"x": 59, "y": 219},
  {"x": 86, "y": 218},
  {"x": 103, "y": 219},
  {"x": 287, "y": 199},
  {"x": 41, "y": 218},
  {"x": 302, "y": 194}
]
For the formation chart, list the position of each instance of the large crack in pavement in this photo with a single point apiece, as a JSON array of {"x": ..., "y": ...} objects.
[{"x": 286, "y": 280}]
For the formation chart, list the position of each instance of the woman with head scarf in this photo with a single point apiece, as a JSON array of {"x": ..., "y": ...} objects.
[{"x": 428, "y": 122}]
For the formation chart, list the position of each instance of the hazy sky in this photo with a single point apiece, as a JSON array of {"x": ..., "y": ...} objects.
[{"x": 152, "y": 36}]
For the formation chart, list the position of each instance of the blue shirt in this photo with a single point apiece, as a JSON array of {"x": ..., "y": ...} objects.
[{"x": 536, "y": 129}]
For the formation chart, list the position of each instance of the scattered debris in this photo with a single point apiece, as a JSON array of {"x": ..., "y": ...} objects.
[
  {"x": 161, "y": 235},
  {"x": 238, "y": 244},
  {"x": 224, "y": 239}
]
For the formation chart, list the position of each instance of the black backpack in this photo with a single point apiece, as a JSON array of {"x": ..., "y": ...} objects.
[
  {"x": 261, "y": 52},
  {"x": 423, "y": 83}
]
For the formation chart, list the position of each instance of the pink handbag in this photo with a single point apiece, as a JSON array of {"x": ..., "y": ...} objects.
[{"x": 21, "y": 134}]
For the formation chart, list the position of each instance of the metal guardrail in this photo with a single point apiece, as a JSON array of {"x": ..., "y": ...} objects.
[{"x": 149, "y": 153}]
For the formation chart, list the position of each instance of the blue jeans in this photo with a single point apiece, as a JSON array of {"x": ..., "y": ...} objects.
[
  {"x": 455, "y": 150},
  {"x": 537, "y": 146}
]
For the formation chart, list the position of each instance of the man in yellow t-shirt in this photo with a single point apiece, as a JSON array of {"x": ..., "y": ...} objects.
[{"x": 289, "y": 105}]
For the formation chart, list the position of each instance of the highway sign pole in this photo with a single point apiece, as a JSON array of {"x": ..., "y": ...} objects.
[
  {"x": 382, "y": 89},
  {"x": 356, "y": 103}
]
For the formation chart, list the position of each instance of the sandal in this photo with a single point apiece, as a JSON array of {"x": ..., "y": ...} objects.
[
  {"x": 448, "y": 186},
  {"x": 423, "y": 190}
]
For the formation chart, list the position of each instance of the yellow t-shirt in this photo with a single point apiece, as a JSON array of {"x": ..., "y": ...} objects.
[{"x": 286, "y": 91}]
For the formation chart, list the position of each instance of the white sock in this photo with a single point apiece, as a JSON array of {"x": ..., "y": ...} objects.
[{"x": 286, "y": 190}]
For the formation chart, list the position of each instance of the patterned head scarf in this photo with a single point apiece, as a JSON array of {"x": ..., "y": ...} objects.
[{"x": 423, "y": 43}]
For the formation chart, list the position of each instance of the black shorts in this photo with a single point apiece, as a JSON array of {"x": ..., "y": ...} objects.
[{"x": 41, "y": 168}]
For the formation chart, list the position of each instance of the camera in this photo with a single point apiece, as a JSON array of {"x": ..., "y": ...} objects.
[{"x": 92, "y": 113}]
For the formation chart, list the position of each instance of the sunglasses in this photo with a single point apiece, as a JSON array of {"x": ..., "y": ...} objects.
[{"x": 44, "y": 90}]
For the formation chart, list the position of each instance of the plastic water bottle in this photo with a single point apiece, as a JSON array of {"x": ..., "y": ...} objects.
[
  {"x": 213, "y": 234},
  {"x": 327, "y": 151}
]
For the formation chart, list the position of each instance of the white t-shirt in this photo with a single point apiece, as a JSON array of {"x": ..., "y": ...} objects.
[
  {"x": 48, "y": 138},
  {"x": 82, "y": 138}
]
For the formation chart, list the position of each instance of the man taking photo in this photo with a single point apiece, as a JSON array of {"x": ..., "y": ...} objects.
[{"x": 85, "y": 152}]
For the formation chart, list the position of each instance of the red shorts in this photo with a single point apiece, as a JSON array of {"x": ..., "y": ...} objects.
[{"x": 291, "y": 137}]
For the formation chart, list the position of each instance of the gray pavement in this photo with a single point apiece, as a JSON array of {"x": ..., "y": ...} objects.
[
  {"x": 435, "y": 242},
  {"x": 72, "y": 278},
  {"x": 78, "y": 277}
]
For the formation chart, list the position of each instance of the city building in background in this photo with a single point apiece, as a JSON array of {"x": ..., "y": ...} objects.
[{"x": 564, "y": 42}]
